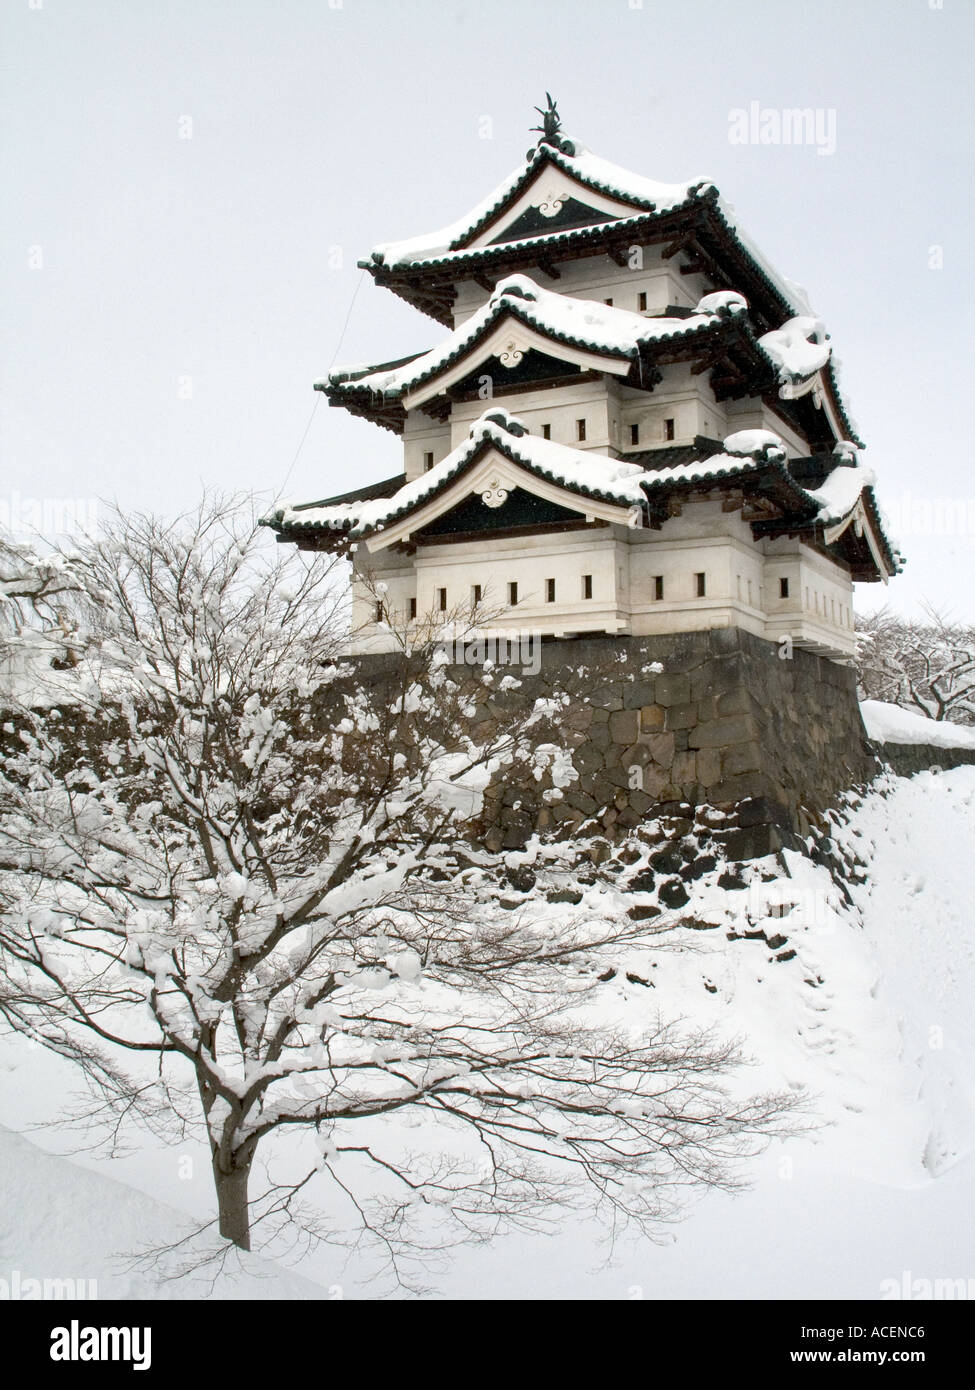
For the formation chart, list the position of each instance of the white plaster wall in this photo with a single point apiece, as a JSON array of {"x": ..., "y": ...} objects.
[
  {"x": 586, "y": 400},
  {"x": 599, "y": 278},
  {"x": 754, "y": 414},
  {"x": 422, "y": 435},
  {"x": 741, "y": 581}
]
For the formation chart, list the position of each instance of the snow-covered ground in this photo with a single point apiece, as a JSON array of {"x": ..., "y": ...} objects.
[
  {"x": 867, "y": 1008},
  {"x": 887, "y": 723},
  {"x": 60, "y": 1221}
]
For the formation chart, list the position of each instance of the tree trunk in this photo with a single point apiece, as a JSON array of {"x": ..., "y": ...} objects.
[{"x": 232, "y": 1205}]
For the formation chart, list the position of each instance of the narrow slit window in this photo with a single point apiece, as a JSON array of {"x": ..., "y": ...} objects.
[
  {"x": 641, "y": 300},
  {"x": 580, "y": 429},
  {"x": 513, "y": 593},
  {"x": 669, "y": 431},
  {"x": 546, "y": 431},
  {"x": 412, "y": 607},
  {"x": 475, "y": 594},
  {"x": 380, "y": 612},
  {"x": 550, "y": 591},
  {"x": 783, "y": 588},
  {"x": 658, "y": 587},
  {"x": 634, "y": 434},
  {"x": 427, "y": 461},
  {"x": 701, "y": 585},
  {"x": 587, "y": 586},
  {"x": 442, "y": 600}
]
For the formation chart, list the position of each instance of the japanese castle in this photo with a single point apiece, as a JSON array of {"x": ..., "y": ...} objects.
[{"x": 633, "y": 425}]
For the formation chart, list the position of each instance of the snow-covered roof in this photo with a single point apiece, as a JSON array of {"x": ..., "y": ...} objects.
[
  {"x": 586, "y": 474},
  {"x": 603, "y": 177},
  {"x": 580, "y": 323},
  {"x": 639, "y": 198}
]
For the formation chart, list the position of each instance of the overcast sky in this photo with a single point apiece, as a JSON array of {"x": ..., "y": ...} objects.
[{"x": 180, "y": 178}]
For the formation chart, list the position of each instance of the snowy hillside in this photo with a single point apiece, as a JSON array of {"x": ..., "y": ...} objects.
[
  {"x": 865, "y": 1005},
  {"x": 59, "y": 1221}
]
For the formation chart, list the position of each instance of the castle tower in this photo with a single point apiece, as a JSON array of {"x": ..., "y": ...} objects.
[
  {"x": 630, "y": 438},
  {"x": 633, "y": 426}
]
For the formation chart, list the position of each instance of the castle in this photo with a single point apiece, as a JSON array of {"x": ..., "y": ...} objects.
[
  {"x": 632, "y": 429},
  {"x": 633, "y": 426}
]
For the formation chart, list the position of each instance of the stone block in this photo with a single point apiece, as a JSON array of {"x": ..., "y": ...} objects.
[
  {"x": 642, "y": 912},
  {"x": 651, "y": 718},
  {"x": 745, "y": 784},
  {"x": 603, "y": 790},
  {"x": 752, "y": 842},
  {"x": 684, "y": 769},
  {"x": 668, "y": 861},
  {"x": 588, "y": 756},
  {"x": 637, "y": 694},
  {"x": 738, "y": 700},
  {"x": 758, "y": 810},
  {"x": 637, "y": 755},
  {"x": 599, "y": 736},
  {"x": 681, "y": 717},
  {"x": 673, "y": 688},
  {"x": 656, "y": 781},
  {"x": 661, "y": 747},
  {"x": 721, "y": 732},
  {"x": 673, "y": 894},
  {"x": 743, "y": 757},
  {"x": 624, "y": 725},
  {"x": 607, "y": 699}
]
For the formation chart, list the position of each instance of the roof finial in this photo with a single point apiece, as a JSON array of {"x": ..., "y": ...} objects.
[{"x": 551, "y": 129}]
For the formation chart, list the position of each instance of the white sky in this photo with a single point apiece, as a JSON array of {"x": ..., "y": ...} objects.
[{"x": 317, "y": 125}]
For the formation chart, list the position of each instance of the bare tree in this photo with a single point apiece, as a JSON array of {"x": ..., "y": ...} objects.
[
  {"x": 236, "y": 885},
  {"x": 927, "y": 665}
]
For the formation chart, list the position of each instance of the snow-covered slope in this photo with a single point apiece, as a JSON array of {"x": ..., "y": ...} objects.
[
  {"x": 59, "y": 1221},
  {"x": 864, "y": 1005}
]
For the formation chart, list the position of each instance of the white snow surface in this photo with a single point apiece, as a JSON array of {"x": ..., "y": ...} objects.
[
  {"x": 799, "y": 347},
  {"x": 63, "y": 1221},
  {"x": 887, "y": 723},
  {"x": 841, "y": 491},
  {"x": 871, "y": 1015}
]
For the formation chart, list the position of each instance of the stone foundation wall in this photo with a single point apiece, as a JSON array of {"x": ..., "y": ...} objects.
[
  {"x": 768, "y": 744},
  {"x": 907, "y": 758}
]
